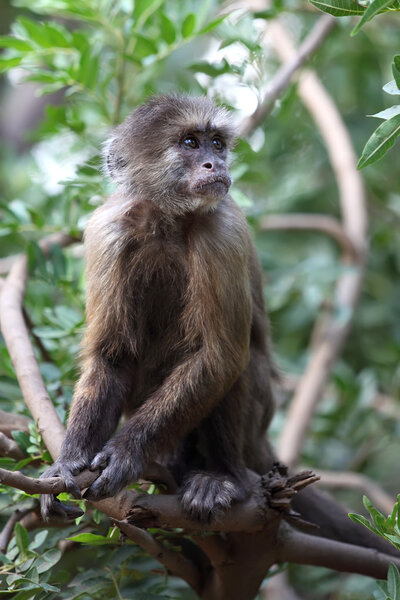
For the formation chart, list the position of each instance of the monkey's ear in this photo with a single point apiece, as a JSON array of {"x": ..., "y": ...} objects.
[{"x": 115, "y": 163}]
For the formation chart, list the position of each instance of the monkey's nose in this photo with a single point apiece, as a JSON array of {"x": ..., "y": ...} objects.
[{"x": 208, "y": 165}]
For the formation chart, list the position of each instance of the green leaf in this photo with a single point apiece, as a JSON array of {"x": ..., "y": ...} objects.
[
  {"x": 88, "y": 68},
  {"x": 377, "y": 517},
  {"x": 380, "y": 141},
  {"x": 4, "y": 559},
  {"x": 167, "y": 29},
  {"x": 394, "y": 539},
  {"x": 92, "y": 539},
  {"x": 144, "y": 46},
  {"x": 58, "y": 35},
  {"x": 393, "y": 580},
  {"x": 396, "y": 69},
  {"x": 21, "y": 538},
  {"x": 36, "y": 260},
  {"x": 22, "y": 439},
  {"x": 362, "y": 521},
  {"x": 188, "y": 25},
  {"x": 339, "y": 8},
  {"x": 9, "y": 63},
  {"x": 371, "y": 11},
  {"x": 15, "y": 43},
  {"x": 38, "y": 539},
  {"x": 392, "y": 88},
  {"x": 213, "y": 24},
  {"x": 49, "y": 333},
  {"x": 35, "y": 32},
  {"x": 47, "y": 560},
  {"x": 388, "y": 113},
  {"x": 143, "y": 10}
]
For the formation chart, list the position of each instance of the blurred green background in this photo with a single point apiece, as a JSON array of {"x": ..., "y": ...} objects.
[{"x": 82, "y": 67}]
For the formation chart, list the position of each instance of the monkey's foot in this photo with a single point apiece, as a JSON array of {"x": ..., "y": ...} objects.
[{"x": 204, "y": 495}]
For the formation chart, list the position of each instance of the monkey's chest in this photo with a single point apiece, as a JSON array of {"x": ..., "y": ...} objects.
[{"x": 158, "y": 297}]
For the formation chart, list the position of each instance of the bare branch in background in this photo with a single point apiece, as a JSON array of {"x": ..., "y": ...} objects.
[
  {"x": 11, "y": 422},
  {"x": 10, "y": 448},
  {"x": 284, "y": 76},
  {"x": 17, "y": 338},
  {"x": 309, "y": 222},
  {"x": 8, "y": 529},
  {"x": 353, "y": 207},
  {"x": 357, "y": 481}
]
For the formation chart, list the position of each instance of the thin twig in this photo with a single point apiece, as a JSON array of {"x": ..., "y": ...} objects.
[{"x": 175, "y": 562}]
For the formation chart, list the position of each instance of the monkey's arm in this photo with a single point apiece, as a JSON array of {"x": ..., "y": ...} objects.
[
  {"x": 106, "y": 377},
  {"x": 95, "y": 412}
]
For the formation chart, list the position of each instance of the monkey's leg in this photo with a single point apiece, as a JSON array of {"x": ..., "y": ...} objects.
[
  {"x": 205, "y": 494},
  {"x": 96, "y": 408}
]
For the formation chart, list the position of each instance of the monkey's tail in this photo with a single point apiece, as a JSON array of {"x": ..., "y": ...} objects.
[{"x": 333, "y": 522}]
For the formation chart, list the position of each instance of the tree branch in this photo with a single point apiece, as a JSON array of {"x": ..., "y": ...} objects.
[
  {"x": 352, "y": 200},
  {"x": 10, "y": 448},
  {"x": 174, "y": 561},
  {"x": 22, "y": 355},
  {"x": 349, "y": 480},
  {"x": 284, "y": 76},
  {"x": 310, "y": 222},
  {"x": 297, "y": 547},
  {"x": 8, "y": 529}
]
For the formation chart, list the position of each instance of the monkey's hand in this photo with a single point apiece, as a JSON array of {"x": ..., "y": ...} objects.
[
  {"x": 119, "y": 464},
  {"x": 66, "y": 469}
]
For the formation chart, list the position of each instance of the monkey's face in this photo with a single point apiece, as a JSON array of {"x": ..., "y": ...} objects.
[
  {"x": 174, "y": 151},
  {"x": 203, "y": 155}
]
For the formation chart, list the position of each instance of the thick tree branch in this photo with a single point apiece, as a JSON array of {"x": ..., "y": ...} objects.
[{"x": 297, "y": 547}]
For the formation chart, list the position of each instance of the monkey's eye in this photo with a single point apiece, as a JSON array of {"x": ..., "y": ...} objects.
[
  {"x": 190, "y": 142},
  {"x": 218, "y": 143}
]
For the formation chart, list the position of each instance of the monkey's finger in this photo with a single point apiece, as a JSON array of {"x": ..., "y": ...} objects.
[
  {"x": 70, "y": 484},
  {"x": 100, "y": 461},
  {"x": 98, "y": 490}
]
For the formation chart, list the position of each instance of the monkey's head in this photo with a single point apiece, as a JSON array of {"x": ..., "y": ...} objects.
[{"x": 174, "y": 151}]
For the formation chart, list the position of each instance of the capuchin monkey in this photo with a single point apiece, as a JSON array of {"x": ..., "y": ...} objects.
[{"x": 177, "y": 337}]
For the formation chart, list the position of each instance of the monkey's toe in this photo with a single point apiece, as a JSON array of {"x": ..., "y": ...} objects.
[{"x": 204, "y": 496}]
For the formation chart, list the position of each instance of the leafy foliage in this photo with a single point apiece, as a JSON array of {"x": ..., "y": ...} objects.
[{"x": 385, "y": 135}]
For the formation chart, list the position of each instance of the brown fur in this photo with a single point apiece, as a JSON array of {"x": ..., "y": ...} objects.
[{"x": 176, "y": 330}]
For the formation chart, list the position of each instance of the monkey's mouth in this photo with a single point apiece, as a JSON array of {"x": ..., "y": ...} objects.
[{"x": 212, "y": 186}]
